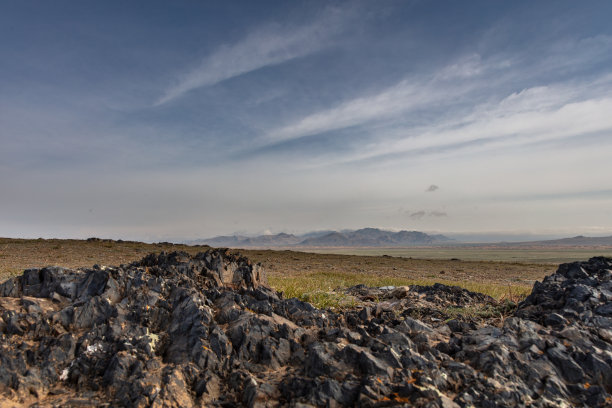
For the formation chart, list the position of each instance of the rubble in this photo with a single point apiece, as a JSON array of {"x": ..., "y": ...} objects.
[{"x": 173, "y": 330}]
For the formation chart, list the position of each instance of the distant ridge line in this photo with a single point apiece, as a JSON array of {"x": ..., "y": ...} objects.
[{"x": 365, "y": 237}]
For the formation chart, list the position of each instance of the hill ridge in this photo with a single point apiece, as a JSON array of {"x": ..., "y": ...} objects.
[{"x": 364, "y": 237}]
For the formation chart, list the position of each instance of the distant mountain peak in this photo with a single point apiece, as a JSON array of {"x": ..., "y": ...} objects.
[{"x": 364, "y": 237}]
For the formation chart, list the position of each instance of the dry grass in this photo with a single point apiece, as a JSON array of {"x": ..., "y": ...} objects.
[
  {"x": 309, "y": 276},
  {"x": 290, "y": 271},
  {"x": 328, "y": 281},
  {"x": 509, "y": 254},
  {"x": 324, "y": 288},
  {"x": 19, "y": 254}
]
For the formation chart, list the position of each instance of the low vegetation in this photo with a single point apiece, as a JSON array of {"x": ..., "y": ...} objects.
[
  {"x": 315, "y": 277},
  {"x": 325, "y": 289},
  {"x": 511, "y": 254}
]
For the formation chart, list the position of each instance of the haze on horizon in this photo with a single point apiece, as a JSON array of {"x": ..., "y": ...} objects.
[{"x": 165, "y": 120}]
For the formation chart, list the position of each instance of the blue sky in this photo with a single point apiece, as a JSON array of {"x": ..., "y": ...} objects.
[{"x": 176, "y": 120}]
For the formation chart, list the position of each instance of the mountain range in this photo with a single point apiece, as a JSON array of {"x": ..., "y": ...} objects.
[
  {"x": 578, "y": 241},
  {"x": 365, "y": 237}
]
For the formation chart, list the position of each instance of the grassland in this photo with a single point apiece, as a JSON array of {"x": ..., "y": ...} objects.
[
  {"x": 318, "y": 276},
  {"x": 478, "y": 253}
]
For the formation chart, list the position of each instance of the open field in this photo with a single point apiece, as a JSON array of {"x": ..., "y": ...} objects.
[
  {"x": 478, "y": 253},
  {"x": 315, "y": 276}
]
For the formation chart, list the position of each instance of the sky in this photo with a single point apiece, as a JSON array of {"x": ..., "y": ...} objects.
[{"x": 157, "y": 120}]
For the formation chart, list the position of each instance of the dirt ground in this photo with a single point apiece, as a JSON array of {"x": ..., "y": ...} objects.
[
  {"x": 282, "y": 263},
  {"x": 19, "y": 254}
]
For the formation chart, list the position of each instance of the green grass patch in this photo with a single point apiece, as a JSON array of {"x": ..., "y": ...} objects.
[{"x": 321, "y": 288}]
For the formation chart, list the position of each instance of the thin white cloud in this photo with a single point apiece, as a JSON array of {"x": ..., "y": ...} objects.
[
  {"x": 466, "y": 67},
  {"x": 534, "y": 115},
  {"x": 491, "y": 129},
  {"x": 541, "y": 113},
  {"x": 509, "y": 128},
  {"x": 460, "y": 83},
  {"x": 391, "y": 102},
  {"x": 449, "y": 85},
  {"x": 267, "y": 46},
  {"x": 570, "y": 54}
]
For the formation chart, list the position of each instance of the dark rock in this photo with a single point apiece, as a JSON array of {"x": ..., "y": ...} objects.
[
  {"x": 569, "y": 369},
  {"x": 31, "y": 282},
  {"x": 413, "y": 327},
  {"x": 605, "y": 310},
  {"x": 177, "y": 330},
  {"x": 373, "y": 366},
  {"x": 458, "y": 326},
  {"x": 599, "y": 369},
  {"x": 581, "y": 293},
  {"x": 319, "y": 362},
  {"x": 11, "y": 287},
  {"x": 555, "y": 319},
  {"x": 365, "y": 314},
  {"x": 574, "y": 271}
]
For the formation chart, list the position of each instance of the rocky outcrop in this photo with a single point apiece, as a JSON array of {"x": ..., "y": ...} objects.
[{"x": 173, "y": 330}]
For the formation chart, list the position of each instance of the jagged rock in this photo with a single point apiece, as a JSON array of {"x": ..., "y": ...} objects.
[
  {"x": 174, "y": 330},
  {"x": 413, "y": 327}
]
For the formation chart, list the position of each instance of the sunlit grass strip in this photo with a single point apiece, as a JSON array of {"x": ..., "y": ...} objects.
[{"x": 318, "y": 287}]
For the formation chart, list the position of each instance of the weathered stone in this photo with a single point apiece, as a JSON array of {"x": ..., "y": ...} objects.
[
  {"x": 413, "y": 327},
  {"x": 11, "y": 287},
  {"x": 174, "y": 330},
  {"x": 555, "y": 319},
  {"x": 174, "y": 392},
  {"x": 400, "y": 292},
  {"x": 31, "y": 282},
  {"x": 365, "y": 314},
  {"x": 605, "y": 310},
  {"x": 571, "y": 371}
]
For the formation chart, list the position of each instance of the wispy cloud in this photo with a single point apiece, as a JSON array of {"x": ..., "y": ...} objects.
[
  {"x": 449, "y": 85},
  {"x": 271, "y": 45},
  {"x": 500, "y": 126},
  {"x": 533, "y": 115},
  {"x": 390, "y": 103},
  {"x": 470, "y": 93}
]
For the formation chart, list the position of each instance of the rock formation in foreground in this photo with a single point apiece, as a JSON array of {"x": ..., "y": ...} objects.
[{"x": 178, "y": 331}]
